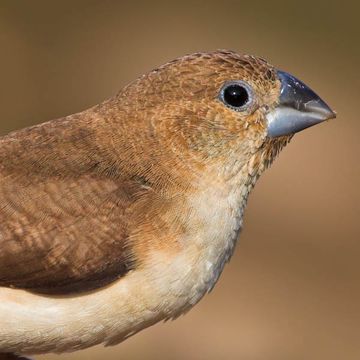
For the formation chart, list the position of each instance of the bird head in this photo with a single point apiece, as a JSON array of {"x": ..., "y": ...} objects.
[{"x": 221, "y": 110}]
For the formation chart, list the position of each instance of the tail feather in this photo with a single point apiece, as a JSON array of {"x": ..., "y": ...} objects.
[{"x": 10, "y": 356}]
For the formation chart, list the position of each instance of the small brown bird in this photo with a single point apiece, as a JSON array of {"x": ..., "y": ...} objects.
[{"x": 125, "y": 214}]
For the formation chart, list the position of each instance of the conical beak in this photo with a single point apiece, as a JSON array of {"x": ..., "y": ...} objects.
[{"x": 299, "y": 108}]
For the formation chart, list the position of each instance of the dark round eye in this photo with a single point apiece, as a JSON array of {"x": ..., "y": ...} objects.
[{"x": 236, "y": 95}]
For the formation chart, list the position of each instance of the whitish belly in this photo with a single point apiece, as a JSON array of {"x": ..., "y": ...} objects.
[{"x": 166, "y": 286}]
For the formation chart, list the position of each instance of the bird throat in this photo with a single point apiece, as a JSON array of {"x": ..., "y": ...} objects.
[{"x": 217, "y": 209}]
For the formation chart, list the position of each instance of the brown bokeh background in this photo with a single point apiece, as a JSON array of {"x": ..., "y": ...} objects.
[{"x": 292, "y": 289}]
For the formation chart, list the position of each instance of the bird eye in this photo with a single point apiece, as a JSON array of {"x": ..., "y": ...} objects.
[{"x": 236, "y": 95}]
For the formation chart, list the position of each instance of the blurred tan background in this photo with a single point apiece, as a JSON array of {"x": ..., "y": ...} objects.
[{"x": 292, "y": 289}]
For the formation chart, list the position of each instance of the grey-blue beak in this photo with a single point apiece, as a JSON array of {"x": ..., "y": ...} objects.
[{"x": 299, "y": 108}]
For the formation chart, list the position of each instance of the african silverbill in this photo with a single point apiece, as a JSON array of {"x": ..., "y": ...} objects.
[{"x": 125, "y": 214}]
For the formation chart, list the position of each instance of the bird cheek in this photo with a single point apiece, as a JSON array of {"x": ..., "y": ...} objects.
[{"x": 256, "y": 129}]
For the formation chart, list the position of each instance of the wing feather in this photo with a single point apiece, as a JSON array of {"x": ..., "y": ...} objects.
[{"x": 64, "y": 224}]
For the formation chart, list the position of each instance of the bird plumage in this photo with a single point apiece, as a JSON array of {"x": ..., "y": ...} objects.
[{"x": 125, "y": 214}]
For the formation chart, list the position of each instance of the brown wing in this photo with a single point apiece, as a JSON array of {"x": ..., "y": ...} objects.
[{"x": 63, "y": 210}]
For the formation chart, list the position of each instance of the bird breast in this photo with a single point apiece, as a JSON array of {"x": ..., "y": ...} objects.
[
  {"x": 165, "y": 286},
  {"x": 214, "y": 219}
]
